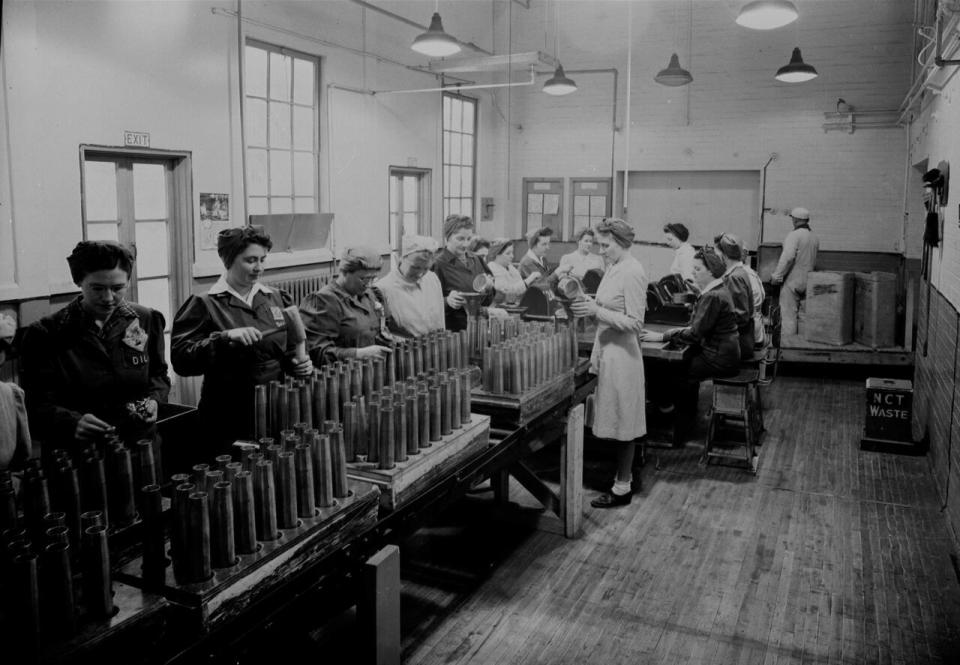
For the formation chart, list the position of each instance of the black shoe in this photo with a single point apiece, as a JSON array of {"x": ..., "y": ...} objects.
[{"x": 611, "y": 500}]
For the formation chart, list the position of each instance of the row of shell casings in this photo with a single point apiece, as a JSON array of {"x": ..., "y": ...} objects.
[
  {"x": 43, "y": 600},
  {"x": 224, "y": 510},
  {"x": 100, "y": 478},
  {"x": 483, "y": 333},
  {"x": 279, "y": 405},
  {"x": 525, "y": 362},
  {"x": 403, "y": 419}
]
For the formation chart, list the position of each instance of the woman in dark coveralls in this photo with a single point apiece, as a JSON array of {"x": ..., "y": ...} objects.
[
  {"x": 712, "y": 333},
  {"x": 343, "y": 318},
  {"x": 96, "y": 367},
  {"x": 457, "y": 267},
  {"x": 236, "y": 337}
]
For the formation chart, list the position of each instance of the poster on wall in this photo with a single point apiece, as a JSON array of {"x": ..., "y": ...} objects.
[{"x": 214, "y": 217}]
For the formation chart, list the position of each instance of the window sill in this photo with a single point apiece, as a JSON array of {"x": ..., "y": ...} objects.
[{"x": 303, "y": 257}]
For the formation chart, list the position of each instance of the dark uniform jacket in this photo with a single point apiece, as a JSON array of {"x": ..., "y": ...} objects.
[
  {"x": 548, "y": 277},
  {"x": 72, "y": 367},
  {"x": 738, "y": 284},
  {"x": 230, "y": 371},
  {"x": 338, "y": 323},
  {"x": 455, "y": 275},
  {"x": 714, "y": 331}
]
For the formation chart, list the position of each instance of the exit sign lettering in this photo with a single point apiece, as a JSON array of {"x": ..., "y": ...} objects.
[{"x": 136, "y": 139}]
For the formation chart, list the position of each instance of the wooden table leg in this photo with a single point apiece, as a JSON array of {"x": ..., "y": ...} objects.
[
  {"x": 379, "y": 607},
  {"x": 571, "y": 473}
]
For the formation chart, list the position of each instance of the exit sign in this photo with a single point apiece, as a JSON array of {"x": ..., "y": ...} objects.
[{"x": 136, "y": 139}]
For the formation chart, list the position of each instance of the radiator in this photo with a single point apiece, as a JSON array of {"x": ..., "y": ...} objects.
[{"x": 300, "y": 287}]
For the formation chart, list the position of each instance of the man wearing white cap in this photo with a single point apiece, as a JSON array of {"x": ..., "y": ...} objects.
[
  {"x": 796, "y": 260},
  {"x": 411, "y": 293}
]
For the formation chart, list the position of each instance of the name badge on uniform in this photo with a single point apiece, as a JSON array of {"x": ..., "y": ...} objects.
[
  {"x": 134, "y": 336},
  {"x": 277, "y": 316}
]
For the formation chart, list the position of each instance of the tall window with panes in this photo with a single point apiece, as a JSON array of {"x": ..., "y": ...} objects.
[
  {"x": 281, "y": 129},
  {"x": 459, "y": 154}
]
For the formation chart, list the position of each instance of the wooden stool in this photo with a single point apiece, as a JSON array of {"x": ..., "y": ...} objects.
[{"x": 734, "y": 403}]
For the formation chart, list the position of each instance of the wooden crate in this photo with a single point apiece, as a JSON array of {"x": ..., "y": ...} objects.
[
  {"x": 399, "y": 484},
  {"x": 516, "y": 410},
  {"x": 828, "y": 312},
  {"x": 875, "y": 309},
  {"x": 230, "y": 590}
]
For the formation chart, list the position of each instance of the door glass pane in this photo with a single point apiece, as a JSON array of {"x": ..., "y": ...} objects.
[
  {"x": 257, "y": 180},
  {"x": 151, "y": 238},
  {"x": 256, "y": 122},
  {"x": 280, "y": 205},
  {"x": 395, "y": 190},
  {"x": 149, "y": 191},
  {"x": 409, "y": 223},
  {"x": 100, "y": 191},
  {"x": 304, "y": 181},
  {"x": 303, "y": 78},
  {"x": 280, "y": 184},
  {"x": 280, "y": 77},
  {"x": 279, "y": 125},
  {"x": 303, "y": 128},
  {"x": 255, "y": 77},
  {"x": 103, "y": 232},
  {"x": 304, "y": 204},
  {"x": 411, "y": 199},
  {"x": 155, "y": 293}
]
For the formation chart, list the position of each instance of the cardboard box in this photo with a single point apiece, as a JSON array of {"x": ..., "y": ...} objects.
[{"x": 828, "y": 311}]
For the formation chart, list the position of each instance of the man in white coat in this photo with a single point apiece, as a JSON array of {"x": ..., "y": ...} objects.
[{"x": 796, "y": 260}]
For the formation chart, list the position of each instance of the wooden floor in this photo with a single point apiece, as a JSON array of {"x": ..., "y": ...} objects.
[{"x": 829, "y": 555}]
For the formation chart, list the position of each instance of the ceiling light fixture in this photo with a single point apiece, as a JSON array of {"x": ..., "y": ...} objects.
[
  {"x": 435, "y": 42},
  {"x": 796, "y": 71},
  {"x": 767, "y": 14},
  {"x": 675, "y": 75},
  {"x": 559, "y": 83}
]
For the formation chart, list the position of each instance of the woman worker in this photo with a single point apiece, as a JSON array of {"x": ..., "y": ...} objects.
[
  {"x": 509, "y": 285},
  {"x": 582, "y": 259},
  {"x": 457, "y": 268},
  {"x": 677, "y": 235},
  {"x": 411, "y": 294},
  {"x": 712, "y": 333},
  {"x": 616, "y": 359},
  {"x": 343, "y": 318},
  {"x": 236, "y": 336},
  {"x": 96, "y": 368}
]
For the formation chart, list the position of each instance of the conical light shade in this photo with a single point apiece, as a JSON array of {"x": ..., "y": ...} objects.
[
  {"x": 767, "y": 14},
  {"x": 559, "y": 84},
  {"x": 796, "y": 71},
  {"x": 674, "y": 75},
  {"x": 435, "y": 42}
]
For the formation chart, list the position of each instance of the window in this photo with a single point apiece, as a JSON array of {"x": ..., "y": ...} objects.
[
  {"x": 459, "y": 154},
  {"x": 409, "y": 203},
  {"x": 281, "y": 127}
]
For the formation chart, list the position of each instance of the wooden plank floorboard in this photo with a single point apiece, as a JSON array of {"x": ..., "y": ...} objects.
[{"x": 829, "y": 555}]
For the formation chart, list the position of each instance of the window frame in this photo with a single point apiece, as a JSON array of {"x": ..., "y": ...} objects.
[
  {"x": 317, "y": 147},
  {"x": 424, "y": 218},
  {"x": 444, "y": 132}
]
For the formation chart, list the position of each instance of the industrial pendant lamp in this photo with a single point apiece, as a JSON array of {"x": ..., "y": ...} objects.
[
  {"x": 796, "y": 71},
  {"x": 767, "y": 14},
  {"x": 674, "y": 75},
  {"x": 435, "y": 42},
  {"x": 558, "y": 84}
]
